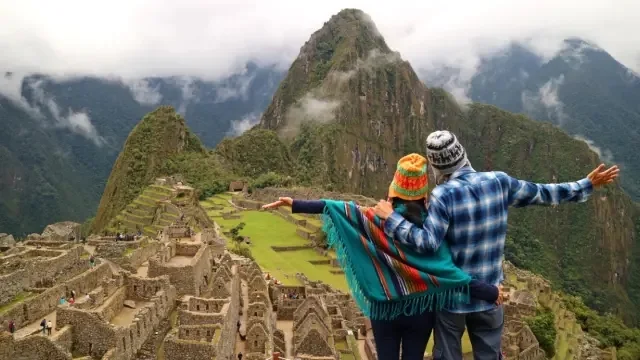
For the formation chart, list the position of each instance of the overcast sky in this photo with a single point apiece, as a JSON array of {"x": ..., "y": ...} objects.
[{"x": 213, "y": 38}]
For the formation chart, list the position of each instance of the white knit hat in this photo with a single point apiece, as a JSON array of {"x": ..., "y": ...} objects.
[{"x": 445, "y": 153}]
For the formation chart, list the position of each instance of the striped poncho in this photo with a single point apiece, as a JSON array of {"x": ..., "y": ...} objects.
[{"x": 386, "y": 278}]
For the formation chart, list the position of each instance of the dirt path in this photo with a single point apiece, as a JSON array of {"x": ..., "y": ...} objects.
[
  {"x": 34, "y": 326},
  {"x": 126, "y": 315},
  {"x": 287, "y": 327},
  {"x": 91, "y": 249},
  {"x": 240, "y": 345},
  {"x": 143, "y": 270}
]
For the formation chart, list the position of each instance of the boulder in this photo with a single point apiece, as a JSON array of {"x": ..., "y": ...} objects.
[
  {"x": 62, "y": 231},
  {"x": 7, "y": 241}
]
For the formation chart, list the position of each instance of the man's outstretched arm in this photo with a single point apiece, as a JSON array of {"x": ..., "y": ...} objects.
[
  {"x": 523, "y": 193},
  {"x": 422, "y": 239}
]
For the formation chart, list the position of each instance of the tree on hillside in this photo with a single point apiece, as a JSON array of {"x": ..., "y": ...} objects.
[{"x": 235, "y": 233}]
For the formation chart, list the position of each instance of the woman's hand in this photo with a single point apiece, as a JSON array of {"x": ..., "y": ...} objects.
[
  {"x": 502, "y": 296},
  {"x": 283, "y": 201}
]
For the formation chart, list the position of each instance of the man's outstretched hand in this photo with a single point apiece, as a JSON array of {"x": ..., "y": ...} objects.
[
  {"x": 601, "y": 176},
  {"x": 283, "y": 201}
]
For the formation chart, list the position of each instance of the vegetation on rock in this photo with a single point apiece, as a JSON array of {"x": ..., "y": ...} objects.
[
  {"x": 543, "y": 327},
  {"x": 153, "y": 146}
]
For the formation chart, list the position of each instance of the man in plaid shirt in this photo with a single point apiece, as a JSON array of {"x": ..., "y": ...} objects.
[{"x": 469, "y": 211}]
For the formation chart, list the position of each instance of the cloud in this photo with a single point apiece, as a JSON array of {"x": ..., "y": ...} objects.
[
  {"x": 213, "y": 39},
  {"x": 78, "y": 122},
  {"x": 310, "y": 108},
  {"x": 374, "y": 59},
  {"x": 143, "y": 92},
  {"x": 605, "y": 155},
  {"x": 234, "y": 88},
  {"x": 546, "y": 99},
  {"x": 238, "y": 127}
]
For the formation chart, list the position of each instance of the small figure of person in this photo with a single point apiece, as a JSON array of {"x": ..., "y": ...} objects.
[
  {"x": 49, "y": 327},
  {"x": 92, "y": 261},
  {"x": 12, "y": 326},
  {"x": 43, "y": 325},
  {"x": 239, "y": 356}
]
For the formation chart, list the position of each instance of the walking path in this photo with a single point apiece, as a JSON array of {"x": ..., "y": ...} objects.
[
  {"x": 287, "y": 327},
  {"x": 35, "y": 326},
  {"x": 240, "y": 344}
]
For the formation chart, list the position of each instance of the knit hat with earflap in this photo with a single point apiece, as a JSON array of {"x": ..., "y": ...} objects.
[
  {"x": 410, "y": 181},
  {"x": 445, "y": 153}
]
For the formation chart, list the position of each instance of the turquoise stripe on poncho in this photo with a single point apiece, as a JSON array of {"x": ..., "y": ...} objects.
[{"x": 387, "y": 278}]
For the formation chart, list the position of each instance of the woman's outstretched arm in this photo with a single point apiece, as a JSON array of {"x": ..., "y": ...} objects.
[{"x": 307, "y": 206}]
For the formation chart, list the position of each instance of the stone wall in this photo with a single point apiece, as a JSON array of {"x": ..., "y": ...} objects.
[
  {"x": 46, "y": 302},
  {"x": 178, "y": 349},
  {"x": 42, "y": 266},
  {"x": 93, "y": 335},
  {"x": 206, "y": 333},
  {"x": 12, "y": 284},
  {"x": 188, "y": 279},
  {"x": 31, "y": 348},
  {"x": 206, "y": 305},
  {"x": 133, "y": 260},
  {"x": 187, "y": 249},
  {"x": 141, "y": 288}
]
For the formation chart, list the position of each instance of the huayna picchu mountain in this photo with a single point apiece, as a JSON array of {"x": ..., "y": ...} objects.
[{"x": 350, "y": 107}]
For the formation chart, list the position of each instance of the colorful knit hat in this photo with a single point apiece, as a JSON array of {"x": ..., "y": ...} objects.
[{"x": 410, "y": 181}]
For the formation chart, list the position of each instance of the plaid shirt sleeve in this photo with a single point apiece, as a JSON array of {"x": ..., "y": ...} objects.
[
  {"x": 523, "y": 193},
  {"x": 425, "y": 238}
]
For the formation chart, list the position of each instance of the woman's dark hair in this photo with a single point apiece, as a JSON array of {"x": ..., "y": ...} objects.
[{"x": 415, "y": 211}]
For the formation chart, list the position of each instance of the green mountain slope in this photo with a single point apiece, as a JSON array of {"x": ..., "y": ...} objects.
[
  {"x": 54, "y": 173},
  {"x": 582, "y": 89},
  {"x": 350, "y": 107},
  {"x": 159, "y": 137}
]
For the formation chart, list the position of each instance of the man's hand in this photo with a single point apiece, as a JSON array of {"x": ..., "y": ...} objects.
[
  {"x": 283, "y": 201},
  {"x": 601, "y": 176},
  {"x": 384, "y": 209}
]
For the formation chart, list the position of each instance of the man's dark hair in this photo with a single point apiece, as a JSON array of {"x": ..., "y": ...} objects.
[{"x": 415, "y": 211}]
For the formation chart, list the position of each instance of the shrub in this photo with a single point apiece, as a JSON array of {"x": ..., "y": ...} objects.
[
  {"x": 242, "y": 250},
  {"x": 543, "y": 327}
]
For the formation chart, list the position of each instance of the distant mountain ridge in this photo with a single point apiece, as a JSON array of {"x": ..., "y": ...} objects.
[
  {"x": 61, "y": 138},
  {"x": 582, "y": 89}
]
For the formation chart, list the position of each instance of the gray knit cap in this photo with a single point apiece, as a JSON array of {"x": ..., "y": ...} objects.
[{"x": 445, "y": 153}]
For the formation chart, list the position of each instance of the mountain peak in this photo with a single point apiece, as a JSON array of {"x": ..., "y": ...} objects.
[
  {"x": 160, "y": 135},
  {"x": 330, "y": 65}
]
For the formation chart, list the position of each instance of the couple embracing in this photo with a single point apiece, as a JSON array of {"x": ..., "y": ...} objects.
[{"x": 421, "y": 262}]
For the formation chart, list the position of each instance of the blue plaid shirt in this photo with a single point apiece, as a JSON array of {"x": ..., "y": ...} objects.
[{"x": 470, "y": 212}]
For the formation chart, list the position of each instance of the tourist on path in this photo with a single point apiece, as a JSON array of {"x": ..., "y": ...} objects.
[
  {"x": 43, "y": 324},
  {"x": 468, "y": 214},
  {"x": 12, "y": 326},
  {"x": 395, "y": 286},
  {"x": 49, "y": 327}
]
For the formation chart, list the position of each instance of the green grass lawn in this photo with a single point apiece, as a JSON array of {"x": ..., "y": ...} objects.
[{"x": 265, "y": 230}]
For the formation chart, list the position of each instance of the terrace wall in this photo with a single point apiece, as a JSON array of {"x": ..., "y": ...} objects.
[{"x": 38, "y": 306}]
